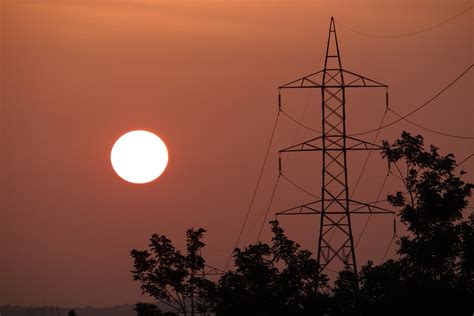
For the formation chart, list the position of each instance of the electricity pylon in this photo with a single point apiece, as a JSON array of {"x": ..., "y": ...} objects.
[{"x": 335, "y": 207}]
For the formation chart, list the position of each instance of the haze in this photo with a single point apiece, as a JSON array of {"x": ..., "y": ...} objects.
[{"x": 203, "y": 75}]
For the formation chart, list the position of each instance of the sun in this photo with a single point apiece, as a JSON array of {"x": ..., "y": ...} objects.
[{"x": 139, "y": 156}]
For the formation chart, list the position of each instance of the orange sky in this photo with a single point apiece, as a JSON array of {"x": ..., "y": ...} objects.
[{"x": 201, "y": 74}]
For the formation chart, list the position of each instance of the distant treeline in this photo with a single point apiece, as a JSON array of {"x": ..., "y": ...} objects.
[{"x": 119, "y": 310}]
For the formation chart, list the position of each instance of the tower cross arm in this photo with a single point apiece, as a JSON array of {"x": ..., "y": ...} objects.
[
  {"x": 308, "y": 145},
  {"x": 366, "y": 208},
  {"x": 334, "y": 143},
  {"x": 210, "y": 270},
  {"x": 310, "y": 81},
  {"x": 351, "y": 80},
  {"x": 356, "y": 207},
  {"x": 305, "y": 209},
  {"x": 359, "y": 144}
]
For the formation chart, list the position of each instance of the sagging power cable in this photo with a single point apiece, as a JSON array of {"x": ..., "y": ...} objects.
[
  {"x": 254, "y": 194},
  {"x": 410, "y": 33}
]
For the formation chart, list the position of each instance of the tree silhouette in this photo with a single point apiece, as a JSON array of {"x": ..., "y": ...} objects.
[
  {"x": 72, "y": 312},
  {"x": 171, "y": 277},
  {"x": 438, "y": 246},
  {"x": 271, "y": 279},
  {"x": 433, "y": 209},
  {"x": 346, "y": 294},
  {"x": 434, "y": 274},
  {"x": 146, "y": 309},
  {"x": 466, "y": 263}
]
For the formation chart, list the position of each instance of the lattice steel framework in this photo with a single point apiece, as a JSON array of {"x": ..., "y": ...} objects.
[{"x": 334, "y": 207}]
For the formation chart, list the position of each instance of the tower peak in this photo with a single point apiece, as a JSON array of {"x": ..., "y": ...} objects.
[{"x": 333, "y": 57}]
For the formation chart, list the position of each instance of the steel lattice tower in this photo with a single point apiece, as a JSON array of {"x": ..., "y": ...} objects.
[{"x": 335, "y": 207}]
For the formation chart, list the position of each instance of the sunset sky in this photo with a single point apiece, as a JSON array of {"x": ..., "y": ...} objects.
[{"x": 203, "y": 75}]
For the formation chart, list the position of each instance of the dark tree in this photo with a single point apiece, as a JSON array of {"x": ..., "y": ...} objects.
[
  {"x": 466, "y": 263},
  {"x": 346, "y": 294},
  {"x": 436, "y": 253},
  {"x": 146, "y": 309},
  {"x": 72, "y": 313},
  {"x": 381, "y": 288},
  {"x": 433, "y": 276},
  {"x": 171, "y": 277},
  {"x": 432, "y": 208},
  {"x": 276, "y": 279}
]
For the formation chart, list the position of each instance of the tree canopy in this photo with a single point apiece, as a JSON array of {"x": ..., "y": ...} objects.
[
  {"x": 433, "y": 275},
  {"x": 72, "y": 312},
  {"x": 172, "y": 277}
]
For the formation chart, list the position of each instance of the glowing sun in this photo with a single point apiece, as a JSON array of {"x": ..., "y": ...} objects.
[{"x": 139, "y": 156}]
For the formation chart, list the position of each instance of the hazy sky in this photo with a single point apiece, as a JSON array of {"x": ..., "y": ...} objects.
[{"x": 201, "y": 74}]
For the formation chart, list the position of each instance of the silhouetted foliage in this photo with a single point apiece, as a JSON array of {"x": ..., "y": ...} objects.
[
  {"x": 268, "y": 279},
  {"x": 436, "y": 246},
  {"x": 171, "y": 277},
  {"x": 146, "y": 309},
  {"x": 433, "y": 209},
  {"x": 271, "y": 279},
  {"x": 466, "y": 263},
  {"x": 72, "y": 313},
  {"x": 345, "y": 300},
  {"x": 434, "y": 274}
]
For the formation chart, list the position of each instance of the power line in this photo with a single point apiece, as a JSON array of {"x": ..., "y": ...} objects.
[
  {"x": 278, "y": 179},
  {"x": 386, "y": 200},
  {"x": 368, "y": 156},
  {"x": 299, "y": 187},
  {"x": 419, "y": 107},
  {"x": 464, "y": 160},
  {"x": 305, "y": 107},
  {"x": 270, "y": 202},
  {"x": 255, "y": 190},
  {"x": 302, "y": 189},
  {"x": 387, "y": 249},
  {"x": 439, "y": 93},
  {"x": 296, "y": 135},
  {"x": 301, "y": 124},
  {"x": 401, "y": 118},
  {"x": 370, "y": 215},
  {"x": 411, "y": 33},
  {"x": 431, "y": 130}
]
